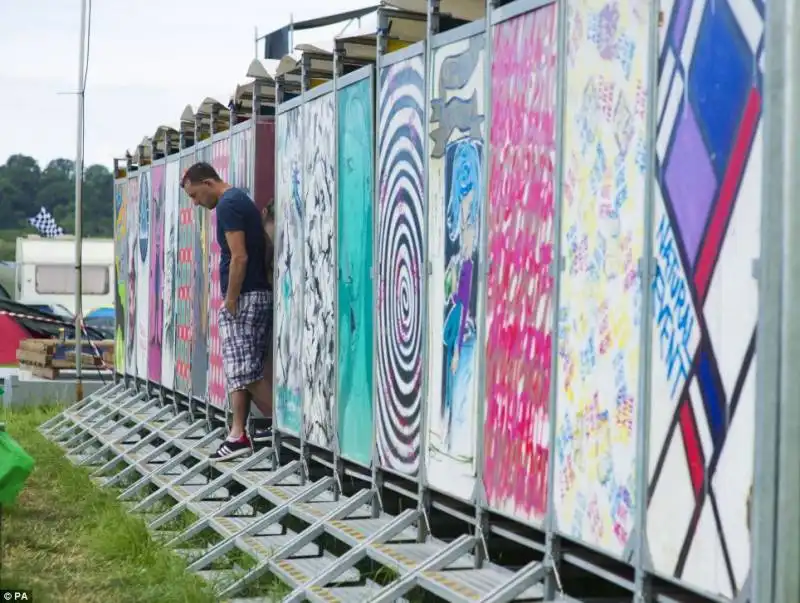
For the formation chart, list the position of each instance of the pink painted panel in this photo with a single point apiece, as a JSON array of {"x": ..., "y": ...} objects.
[
  {"x": 220, "y": 154},
  {"x": 520, "y": 285},
  {"x": 156, "y": 314}
]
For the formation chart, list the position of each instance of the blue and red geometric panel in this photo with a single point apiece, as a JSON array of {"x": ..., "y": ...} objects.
[{"x": 708, "y": 158}]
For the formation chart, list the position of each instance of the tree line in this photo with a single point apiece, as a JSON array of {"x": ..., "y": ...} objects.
[{"x": 25, "y": 187}]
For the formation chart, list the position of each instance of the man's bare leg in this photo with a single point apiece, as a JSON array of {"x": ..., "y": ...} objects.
[
  {"x": 237, "y": 443},
  {"x": 261, "y": 391},
  {"x": 239, "y": 403}
]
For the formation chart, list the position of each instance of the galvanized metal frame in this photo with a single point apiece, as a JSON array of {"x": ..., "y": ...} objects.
[
  {"x": 375, "y": 270},
  {"x": 304, "y": 88},
  {"x": 334, "y": 403},
  {"x": 553, "y": 556},
  {"x": 424, "y": 500},
  {"x": 774, "y": 516},
  {"x": 787, "y": 512},
  {"x": 503, "y": 13},
  {"x": 318, "y": 91},
  {"x": 141, "y": 443},
  {"x": 181, "y": 481},
  {"x": 71, "y": 436},
  {"x": 74, "y": 418},
  {"x": 354, "y": 77},
  {"x": 438, "y": 41},
  {"x": 242, "y": 125},
  {"x": 409, "y": 52},
  {"x": 479, "y": 491},
  {"x": 462, "y": 32},
  {"x": 638, "y": 539},
  {"x": 276, "y": 434},
  {"x": 137, "y": 463},
  {"x": 100, "y": 416},
  {"x": 59, "y": 419}
]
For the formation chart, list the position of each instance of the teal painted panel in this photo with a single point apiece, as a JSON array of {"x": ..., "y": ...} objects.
[{"x": 355, "y": 309}]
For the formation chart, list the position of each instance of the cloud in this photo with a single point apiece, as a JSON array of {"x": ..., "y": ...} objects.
[{"x": 147, "y": 62}]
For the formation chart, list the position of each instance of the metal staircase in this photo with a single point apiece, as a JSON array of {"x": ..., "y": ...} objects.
[{"x": 156, "y": 455}]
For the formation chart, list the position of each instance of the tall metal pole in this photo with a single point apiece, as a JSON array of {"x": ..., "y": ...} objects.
[
  {"x": 776, "y": 487},
  {"x": 79, "y": 208},
  {"x": 787, "y": 510}
]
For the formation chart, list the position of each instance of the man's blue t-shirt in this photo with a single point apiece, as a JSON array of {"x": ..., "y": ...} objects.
[{"x": 237, "y": 212}]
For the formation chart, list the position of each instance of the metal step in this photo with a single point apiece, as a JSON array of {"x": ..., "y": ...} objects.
[
  {"x": 92, "y": 413},
  {"x": 219, "y": 578},
  {"x": 419, "y": 564},
  {"x": 135, "y": 443},
  {"x": 124, "y": 436},
  {"x": 131, "y": 437},
  {"x": 106, "y": 390},
  {"x": 190, "y": 555},
  {"x": 253, "y": 464},
  {"x": 338, "y": 594},
  {"x": 137, "y": 456},
  {"x": 53, "y": 424},
  {"x": 203, "y": 445},
  {"x": 99, "y": 409}
]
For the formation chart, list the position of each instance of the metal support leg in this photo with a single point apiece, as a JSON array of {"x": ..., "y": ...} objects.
[
  {"x": 96, "y": 408},
  {"x": 461, "y": 546},
  {"x": 109, "y": 403},
  {"x": 531, "y": 574},
  {"x": 228, "y": 507},
  {"x": 140, "y": 443},
  {"x": 278, "y": 513},
  {"x": 82, "y": 425},
  {"x": 108, "y": 389},
  {"x": 356, "y": 554},
  {"x": 97, "y": 436},
  {"x": 162, "y": 491},
  {"x": 150, "y": 455},
  {"x": 173, "y": 462},
  {"x": 302, "y": 539},
  {"x": 223, "y": 479}
]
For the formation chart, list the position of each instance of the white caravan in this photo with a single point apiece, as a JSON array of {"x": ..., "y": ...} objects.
[{"x": 46, "y": 272}]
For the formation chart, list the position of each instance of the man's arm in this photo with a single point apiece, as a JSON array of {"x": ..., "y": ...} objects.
[
  {"x": 238, "y": 267},
  {"x": 232, "y": 222}
]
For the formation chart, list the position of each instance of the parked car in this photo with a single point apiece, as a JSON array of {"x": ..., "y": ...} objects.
[
  {"x": 102, "y": 319},
  {"x": 57, "y": 310}
]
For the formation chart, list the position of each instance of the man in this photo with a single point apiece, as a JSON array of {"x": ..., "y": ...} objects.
[{"x": 245, "y": 319}]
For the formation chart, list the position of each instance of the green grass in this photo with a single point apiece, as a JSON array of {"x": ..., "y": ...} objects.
[{"x": 67, "y": 540}]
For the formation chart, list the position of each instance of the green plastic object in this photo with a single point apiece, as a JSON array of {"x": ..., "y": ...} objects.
[{"x": 15, "y": 467}]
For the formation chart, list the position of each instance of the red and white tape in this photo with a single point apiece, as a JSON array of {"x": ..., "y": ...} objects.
[{"x": 54, "y": 321}]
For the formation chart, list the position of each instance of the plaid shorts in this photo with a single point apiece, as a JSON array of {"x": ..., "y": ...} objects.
[{"x": 245, "y": 339}]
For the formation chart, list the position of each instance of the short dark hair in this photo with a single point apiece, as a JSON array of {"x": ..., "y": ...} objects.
[{"x": 198, "y": 172}]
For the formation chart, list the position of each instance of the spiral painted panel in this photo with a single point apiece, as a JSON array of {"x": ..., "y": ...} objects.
[{"x": 400, "y": 257}]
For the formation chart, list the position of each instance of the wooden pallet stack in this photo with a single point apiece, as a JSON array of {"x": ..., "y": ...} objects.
[{"x": 46, "y": 358}]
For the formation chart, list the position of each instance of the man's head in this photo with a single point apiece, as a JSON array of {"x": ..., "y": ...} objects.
[{"x": 203, "y": 185}]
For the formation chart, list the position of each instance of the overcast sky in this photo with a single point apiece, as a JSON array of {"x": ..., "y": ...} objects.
[{"x": 148, "y": 60}]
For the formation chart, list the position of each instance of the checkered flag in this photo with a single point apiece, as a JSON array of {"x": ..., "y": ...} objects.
[{"x": 45, "y": 224}]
